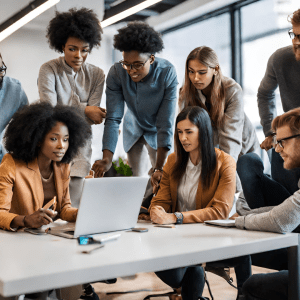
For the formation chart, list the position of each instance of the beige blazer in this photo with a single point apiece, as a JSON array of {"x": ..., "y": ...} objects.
[
  {"x": 21, "y": 190},
  {"x": 211, "y": 204}
]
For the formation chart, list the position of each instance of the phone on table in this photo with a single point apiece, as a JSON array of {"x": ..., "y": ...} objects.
[{"x": 139, "y": 229}]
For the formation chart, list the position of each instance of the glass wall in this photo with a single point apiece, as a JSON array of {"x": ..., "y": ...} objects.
[
  {"x": 264, "y": 30},
  {"x": 213, "y": 32}
]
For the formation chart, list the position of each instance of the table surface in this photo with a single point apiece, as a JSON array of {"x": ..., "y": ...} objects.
[{"x": 31, "y": 263}]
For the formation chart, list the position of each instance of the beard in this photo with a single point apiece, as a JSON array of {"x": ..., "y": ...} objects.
[{"x": 296, "y": 49}]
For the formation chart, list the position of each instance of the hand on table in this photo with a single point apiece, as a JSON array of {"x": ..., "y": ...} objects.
[
  {"x": 234, "y": 216},
  {"x": 39, "y": 218},
  {"x": 159, "y": 216},
  {"x": 267, "y": 144},
  {"x": 155, "y": 180},
  {"x": 95, "y": 113},
  {"x": 144, "y": 217},
  {"x": 100, "y": 167}
]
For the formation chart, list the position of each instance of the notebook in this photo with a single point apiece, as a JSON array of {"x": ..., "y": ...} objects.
[
  {"x": 107, "y": 204},
  {"x": 224, "y": 223}
]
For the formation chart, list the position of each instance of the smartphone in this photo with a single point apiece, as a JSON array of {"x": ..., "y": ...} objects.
[{"x": 139, "y": 229}]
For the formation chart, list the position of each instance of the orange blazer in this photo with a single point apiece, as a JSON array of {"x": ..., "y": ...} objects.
[
  {"x": 21, "y": 190},
  {"x": 211, "y": 204}
]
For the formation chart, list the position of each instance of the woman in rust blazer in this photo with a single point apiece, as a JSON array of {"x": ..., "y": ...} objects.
[
  {"x": 41, "y": 141},
  {"x": 198, "y": 184}
]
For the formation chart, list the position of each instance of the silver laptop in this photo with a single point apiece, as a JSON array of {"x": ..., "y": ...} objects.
[{"x": 107, "y": 204}]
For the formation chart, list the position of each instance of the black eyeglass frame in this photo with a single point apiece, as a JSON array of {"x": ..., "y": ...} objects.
[
  {"x": 3, "y": 68},
  {"x": 293, "y": 35},
  {"x": 275, "y": 142},
  {"x": 132, "y": 65}
]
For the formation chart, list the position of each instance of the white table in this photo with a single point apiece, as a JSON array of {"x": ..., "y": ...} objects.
[{"x": 30, "y": 263}]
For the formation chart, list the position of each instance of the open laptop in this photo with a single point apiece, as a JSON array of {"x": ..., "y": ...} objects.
[
  {"x": 223, "y": 223},
  {"x": 107, "y": 204}
]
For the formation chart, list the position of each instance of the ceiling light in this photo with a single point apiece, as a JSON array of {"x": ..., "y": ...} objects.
[
  {"x": 31, "y": 11},
  {"x": 128, "y": 12}
]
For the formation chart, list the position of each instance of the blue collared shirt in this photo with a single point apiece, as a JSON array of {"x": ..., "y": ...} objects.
[
  {"x": 12, "y": 98},
  {"x": 151, "y": 106}
]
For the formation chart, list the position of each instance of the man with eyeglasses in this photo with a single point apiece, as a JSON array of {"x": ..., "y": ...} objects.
[
  {"x": 12, "y": 98},
  {"x": 147, "y": 85},
  {"x": 266, "y": 205},
  {"x": 283, "y": 71}
]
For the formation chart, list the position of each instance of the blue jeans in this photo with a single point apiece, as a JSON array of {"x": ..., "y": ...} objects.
[
  {"x": 191, "y": 279},
  {"x": 272, "y": 286}
]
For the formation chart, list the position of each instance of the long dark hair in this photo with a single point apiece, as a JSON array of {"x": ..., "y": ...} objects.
[
  {"x": 199, "y": 117},
  {"x": 188, "y": 93}
]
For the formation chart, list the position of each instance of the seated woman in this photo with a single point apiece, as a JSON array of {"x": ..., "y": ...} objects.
[
  {"x": 41, "y": 141},
  {"x": 222, "y": 98},
  {"x": 198, "y": 184}
]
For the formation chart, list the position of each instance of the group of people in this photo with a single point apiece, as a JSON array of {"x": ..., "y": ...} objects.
[{"x": 49, "y": 142}]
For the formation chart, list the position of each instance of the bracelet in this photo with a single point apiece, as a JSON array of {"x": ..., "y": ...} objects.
[{"x": 158, "y": 169}]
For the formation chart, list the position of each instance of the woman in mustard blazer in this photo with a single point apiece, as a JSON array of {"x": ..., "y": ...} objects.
[
  {"x": 41, "y": 141},
  {"x": 198, "y": 184}
]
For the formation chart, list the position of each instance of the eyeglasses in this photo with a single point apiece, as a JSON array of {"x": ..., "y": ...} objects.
[
  {"x": 275, "y": 142},
  {"x": 3, "y": 69},
  {"x": 293, "y": 35},
  {"x": 135, "y": 66}
]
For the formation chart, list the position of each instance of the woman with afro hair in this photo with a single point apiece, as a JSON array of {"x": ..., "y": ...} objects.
[
  {"x": 69, "y": 80},
  {"x": 41, "y": 141},
  {"x": 147, "y": 85}
]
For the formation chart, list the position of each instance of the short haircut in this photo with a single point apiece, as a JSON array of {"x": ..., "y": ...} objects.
[
  {"x": 294, "y": 18},
  {"x": 290, "y": 118},
  {"x": 29, "y": 126},
  {"x": 138, "y": 36},
  {"x": 82, "y": 24}
]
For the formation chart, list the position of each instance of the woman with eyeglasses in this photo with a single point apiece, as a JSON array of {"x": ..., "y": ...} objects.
[
  {"x": 198, "y": 184},
  {"x": 70, "y": 80},
  {"x": 41, "y": 141},
  {"x": 147, "y": 85},
  {"x": 222, "y": 98},
  {"x": 12, "y": 98}
]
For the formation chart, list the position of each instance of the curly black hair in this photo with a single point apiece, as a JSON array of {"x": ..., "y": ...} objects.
[
  {"x": 138, "y": 36},
  {"x": 82, "y": 24},
  {"x": 29, "y": 126}
]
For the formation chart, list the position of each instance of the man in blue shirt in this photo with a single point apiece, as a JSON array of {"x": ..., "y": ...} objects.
[
  {"x": 12, "y": 98},
  {"x": 148, "y": 87}
]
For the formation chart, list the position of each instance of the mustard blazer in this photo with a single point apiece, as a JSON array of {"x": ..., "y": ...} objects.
[
  {"x": 21, "y": 190},
  {"x": 211, "y": 204}
]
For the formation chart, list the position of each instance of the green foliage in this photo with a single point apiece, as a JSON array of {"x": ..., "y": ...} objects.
[{"x": 123, "y": 169}]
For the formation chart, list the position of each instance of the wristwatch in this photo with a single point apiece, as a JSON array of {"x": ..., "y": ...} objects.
[
  {"x": 157, "y": 169},
  {"x": 179, "y": 217}
]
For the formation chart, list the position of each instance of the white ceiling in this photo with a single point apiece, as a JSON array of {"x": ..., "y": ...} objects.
[{"x": 9, "y": 7}]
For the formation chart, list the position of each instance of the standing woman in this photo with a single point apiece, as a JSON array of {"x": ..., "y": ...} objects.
[
  {"x": 69, "y": 80},
  {"x": 198, "y": 184},
  {"x": 222, "y": 98},
  {"x": 147, "y": 85}
]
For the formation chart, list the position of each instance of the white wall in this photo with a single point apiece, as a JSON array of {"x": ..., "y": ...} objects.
[{"x": 27, "y": 49}]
